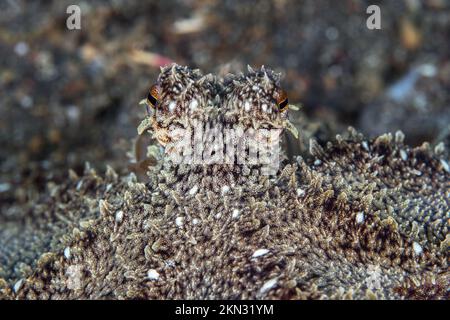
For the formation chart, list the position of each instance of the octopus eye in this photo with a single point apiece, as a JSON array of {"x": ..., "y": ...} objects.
[
  {"x": 153, "y": 95},
  {"x": 282, "y": 100}
]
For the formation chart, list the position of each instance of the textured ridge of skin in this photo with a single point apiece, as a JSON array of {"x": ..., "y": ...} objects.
[{"x": 355, "y": 219}]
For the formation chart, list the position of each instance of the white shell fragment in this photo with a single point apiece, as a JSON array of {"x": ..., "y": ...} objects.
[
  {"x": 268, "y": 285},
  {"x": 179, "y": 221},
  {"x": 119, "y": 216},
  {"x": 235, "y": 214},
  {"x": 194, "y": 190},
  {"x": 152, "y": 274},
  {"x": 259, "y": 253},
  {"x": 360, "y": 217},
  {"x": 67, "y": 253},
  {"x": 417, "y": 248}
]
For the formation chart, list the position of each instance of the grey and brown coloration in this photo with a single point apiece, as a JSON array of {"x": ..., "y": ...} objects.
[{"x": 357, "y": 219}]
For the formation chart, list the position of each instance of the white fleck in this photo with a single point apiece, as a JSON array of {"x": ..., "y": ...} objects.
[
  {"x": 416, "y": 172},
  {"x": 169, "y": 263},
  {"x": 172, "y": 106},
  {"x": 259, "y": 253},
  {"x": 218, "y": 215},
  {"x": 428, "y": 70},
  {"x": 4, "y": 187},
  {"x": 195, "y": 221},
  {"x": 317, "y": 162},
  {"x": 445, "y": 165},
  {"x": 109, "y": 187},
  {"x": 225, "y": 189},
  {"x": 373, "y": 281},
  {"x": 300, "y": 192},
  {"x": 403, "y": 155},
  {"x": 264, "y": 107},
  {"x": 67, "y": 253},
  {"x": 360, "y": 217},
  {"x": 365, "y": 145},
  {"x": 417, "y": 248},
  {"x": 79, "y": 185},
  {"x": 235, "y": 214},
  {"x": 21, "y": 48},
  {"x": 18, "y": 285},
  {"x": 247, "y": 106},
  {"x": 268, "y": 285},
  {"x": 255, "y": 88},
  {"x": 179, "y": 221},
  {"x": 193, "y": 105},
  {"x": 26, "y": 102},
  {"x": 152, "y": 274},
  {"x": 74, "y": 277},
  {"x": 73, "y": 113},
  {"x": 119, "y": 216},
  {"x": 194, "y": 190}
]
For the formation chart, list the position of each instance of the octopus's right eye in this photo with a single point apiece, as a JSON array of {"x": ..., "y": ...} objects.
[
  {"x": 153, "y": 95},
  {"x": 282, "y": 101}
]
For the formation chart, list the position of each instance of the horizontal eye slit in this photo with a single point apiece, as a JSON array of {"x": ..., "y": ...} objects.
[
  {"x": 283, "y": 104},
  {"x": 152, "y": 100},
  {"x": 153, "y": 95}
]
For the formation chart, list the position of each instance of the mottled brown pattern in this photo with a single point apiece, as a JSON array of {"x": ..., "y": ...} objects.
[{"x": 356, "y": 218}]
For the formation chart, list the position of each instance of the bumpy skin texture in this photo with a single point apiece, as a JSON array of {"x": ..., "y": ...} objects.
[{"x": 357, "y": 219}]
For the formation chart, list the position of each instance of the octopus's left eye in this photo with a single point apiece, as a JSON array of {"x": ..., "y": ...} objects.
[
  {"x": 282, "y": 100},
  {"x": 153, "y": 95}
]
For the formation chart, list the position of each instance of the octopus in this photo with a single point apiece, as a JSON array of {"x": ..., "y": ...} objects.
[{"x": 355, "y": 219}]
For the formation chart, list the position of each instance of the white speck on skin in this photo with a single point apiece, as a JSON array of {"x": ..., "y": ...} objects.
[
  {"x": 218, "y": 215},
  {"x": 194, "y": 190},
  {"x": 416, "y": 172},
  {"x": 247, "y": 106},
  {"x": 172, "y": 106},
  {"x": 67, "y": 253},
  {"x": 360, "y": 217},
  {"x": 255, "y": 88},
  {"x": 445, "y": 165},
  {"x": 193, "y": 105},
  {"x": 300, "y": 192},
  {"x": 235, "y": 214},
  {"x": 225, "y": 189},
  {"x": 195, "y": 221},
  {"x": 417, "y": 248},
  {"x": 403, "y": 155},
  {"x": 179, "y": 221},
  {"x": 79, "y": 185},
  {"x": 264, "y": 107},
  {"x": 152, "y": 274},
  {"x": 259, "y": 253},
  {"x": 18, "y": 285},
  {"x": 365, "y": 145},
  {"x": 119, "y": 216},
  {"x": 268, "y": 285},
  {"x": 317, "y": 162}
]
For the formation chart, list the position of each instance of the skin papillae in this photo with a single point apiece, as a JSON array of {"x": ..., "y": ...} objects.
[{"x": 356, "y": 219}]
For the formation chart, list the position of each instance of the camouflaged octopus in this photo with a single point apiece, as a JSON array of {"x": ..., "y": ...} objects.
[{"x": 357, "y": 218}]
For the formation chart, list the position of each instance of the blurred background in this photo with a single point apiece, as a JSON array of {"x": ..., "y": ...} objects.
[{"x": 70, "y": 96}]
